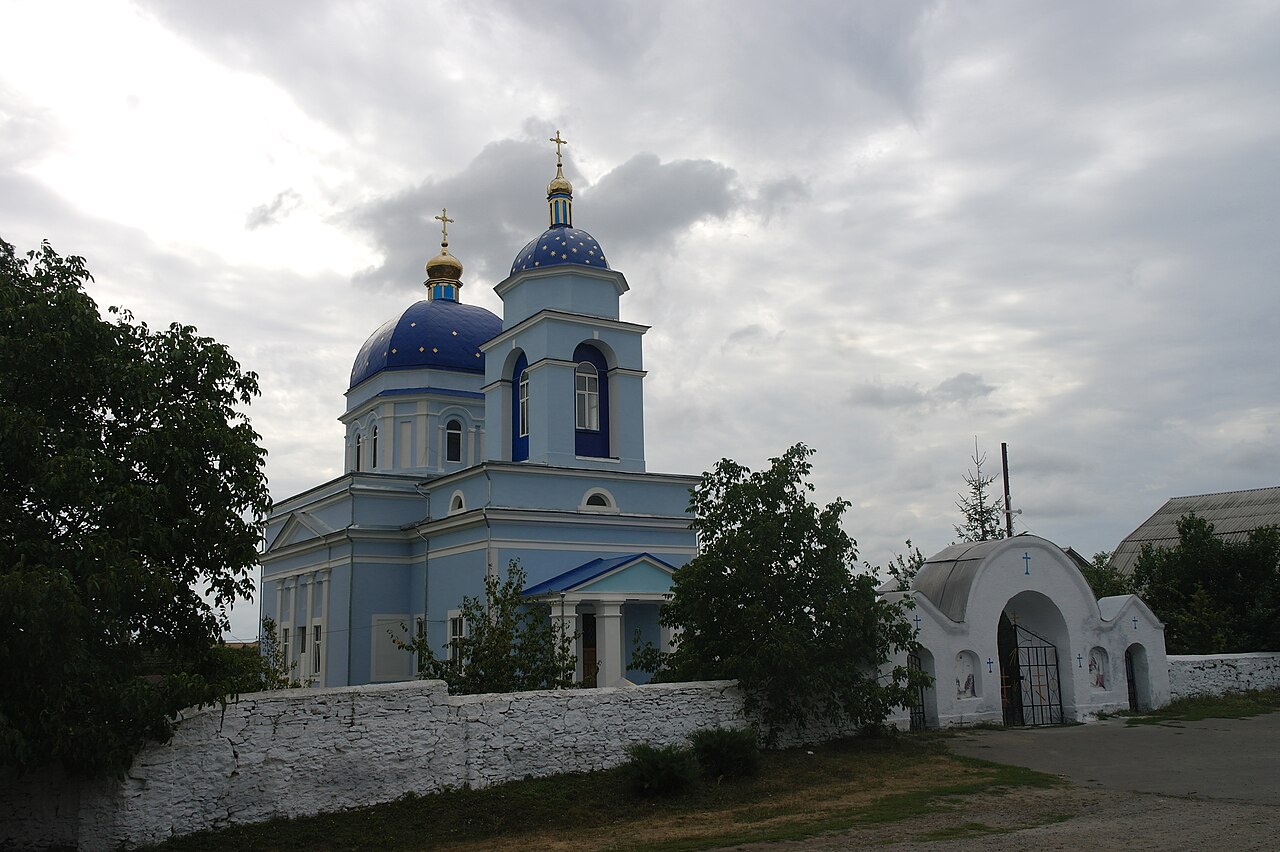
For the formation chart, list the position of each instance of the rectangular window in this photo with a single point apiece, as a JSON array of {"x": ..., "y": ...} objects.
[
  {"x": 524, "y": 404},
  {"x": 284, "y": 640},
  {"x": 302, "y": 639},
  {"x": 588, "y": 397},
  {"x": 315, "y": 657},
  {"x": 457, "y": 630}
]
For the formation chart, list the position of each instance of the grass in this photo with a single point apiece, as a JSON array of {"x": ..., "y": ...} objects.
[
  {"x": 1233, "y": 705},
  {"x": 798, "y": 793}
]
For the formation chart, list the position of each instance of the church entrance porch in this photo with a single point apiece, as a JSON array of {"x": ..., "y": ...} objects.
[
  {"x": 1031, "y": 639},
  {"x": 1030, "y": 686}
]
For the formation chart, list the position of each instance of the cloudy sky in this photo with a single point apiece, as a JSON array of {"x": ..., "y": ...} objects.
[{"x": 883, "y": 229}]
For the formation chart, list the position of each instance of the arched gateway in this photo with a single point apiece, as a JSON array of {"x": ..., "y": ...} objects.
[{"x": 1015, "y": 635}]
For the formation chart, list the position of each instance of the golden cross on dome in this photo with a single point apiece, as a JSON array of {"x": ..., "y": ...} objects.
[
  {"x": 556, "y": 139},
  {"x": 444, "y": 221}
]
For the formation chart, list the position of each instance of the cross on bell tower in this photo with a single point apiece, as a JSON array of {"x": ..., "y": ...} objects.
[{"x": 560, "y": 191}]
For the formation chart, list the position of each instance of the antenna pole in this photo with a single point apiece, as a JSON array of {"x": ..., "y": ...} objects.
[{"x": 1008, "y": 509}]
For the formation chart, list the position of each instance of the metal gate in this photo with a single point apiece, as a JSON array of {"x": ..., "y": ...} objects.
[
  {"x": 1131, "y": 680},
  {"x": 1029, "y": 688},
  {"x": 918, "y": 719}
]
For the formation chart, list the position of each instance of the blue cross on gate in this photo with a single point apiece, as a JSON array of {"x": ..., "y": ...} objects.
[
  {"x": 1079, "y": 661},
  {"x": 1026, "y": 559},
  {"x": 1135, "y": 622},
  {"x": 917, "y": 620},
  {"x": 990, "y": 663}
]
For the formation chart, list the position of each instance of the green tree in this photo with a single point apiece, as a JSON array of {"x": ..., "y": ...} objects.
[
  {"x": 902, "y": 570},
  {"x": 131, "y": 485},
  {"x": 510, "y": 644},
  {"x": 771, "y": 601},
  {"x": 1214, "y": 596},
  {"x": 983, "y": 515},
  {"x": 1104, "y": 579}
]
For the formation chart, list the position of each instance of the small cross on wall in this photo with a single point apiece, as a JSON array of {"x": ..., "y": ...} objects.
[
  {"x": 917, "y": 620},
  {"x": 1135, "y": 622},
  {"x": 1026, "y": 559},
  {"x": 990, "y": 663},
  {"x": 1079, "y": 661}
]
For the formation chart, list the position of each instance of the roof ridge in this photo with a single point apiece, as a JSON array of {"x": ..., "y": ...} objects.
[{"x": 1220, "y": 493}]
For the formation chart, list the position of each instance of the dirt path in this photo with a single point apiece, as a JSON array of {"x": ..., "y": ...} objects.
[
  {"x": 1212, "y": 784},
  {"x": 1066, "y": 818}
]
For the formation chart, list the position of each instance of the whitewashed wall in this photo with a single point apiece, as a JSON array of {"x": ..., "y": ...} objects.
[
  {"x": 302, "y": 752},
  {"x": 1215, "y": 675}
]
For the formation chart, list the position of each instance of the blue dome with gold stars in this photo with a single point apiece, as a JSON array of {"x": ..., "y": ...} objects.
[
  {"x": 560, "y": 245},
  {"x": 432, "y": 334}
]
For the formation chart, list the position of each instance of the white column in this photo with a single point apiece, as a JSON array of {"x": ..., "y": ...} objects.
[
  {"x": 310, "y": 620},
  {"x": 609, "y": 643},
  {"x": 279, "y": 607},
  {"x": 564, "y": 618},
  {"x": 668, "y": 637},
  {"x": 291, "y": 655}
]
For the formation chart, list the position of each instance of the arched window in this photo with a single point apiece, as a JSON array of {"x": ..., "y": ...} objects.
[
  {"x": 457, "y": 503},
  {"x": 453, "y": 441},
  {"x": 591, "y": 402},
  {"x": 359, "y": 452},
  {"x": 373, "y": 448},
  {"x": 587, "y": 385},
  {"x": 598, "y": 500},
  {"x": 520, "y": 409}
]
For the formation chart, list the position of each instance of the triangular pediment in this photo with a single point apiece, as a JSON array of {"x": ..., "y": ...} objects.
[
  {"x": 300, "y": 527},
  {"x": 637, "y": 573},
  {"x": 642, "y": 575}
]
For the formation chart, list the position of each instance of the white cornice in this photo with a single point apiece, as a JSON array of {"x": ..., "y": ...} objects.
[{"x": 562, "y": 316}]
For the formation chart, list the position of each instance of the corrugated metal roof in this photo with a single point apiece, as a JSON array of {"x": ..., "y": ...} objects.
[{"x": 1234, "y": 514}]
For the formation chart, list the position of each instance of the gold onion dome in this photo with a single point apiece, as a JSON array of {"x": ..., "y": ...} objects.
[
  {"x": 444, "y": 266},
  {"x": 559, "y": 183}
]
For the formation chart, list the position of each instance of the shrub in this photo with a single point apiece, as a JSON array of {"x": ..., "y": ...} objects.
[
  {"x": 727, "y": 752},
  {"x": 659, "y": 770}
]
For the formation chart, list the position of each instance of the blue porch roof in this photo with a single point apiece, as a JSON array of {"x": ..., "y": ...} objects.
[{"x": 585, "y": 573}]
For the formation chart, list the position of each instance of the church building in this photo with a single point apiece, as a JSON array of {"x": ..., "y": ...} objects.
[{"x": 472, "y": 440}]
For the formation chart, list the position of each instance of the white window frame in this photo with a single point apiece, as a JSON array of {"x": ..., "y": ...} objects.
[
  {"x": 524, "y": 404},
  {"x": 317, "y": 648},
  {"x": 373, "y": 448},
  {"x": 586, "y": 383},
  {"x": 359, "y": 451},
  {"x": 453, "y": 440},
  {"x": 302, "y": 640},
  {"x": 455, "y": 629},
  {"x": 610, "y": 504}
]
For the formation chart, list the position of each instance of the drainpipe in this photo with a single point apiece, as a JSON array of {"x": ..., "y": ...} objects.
[{"x": 420, "y": 487}]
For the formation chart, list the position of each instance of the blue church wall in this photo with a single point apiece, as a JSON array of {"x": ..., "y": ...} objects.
[
  {"x": 593, "y": 293},
  {"x": 338, "y": 627},
  {"x": 390, "y": 384}
]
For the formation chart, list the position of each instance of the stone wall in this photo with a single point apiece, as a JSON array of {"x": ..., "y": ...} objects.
[
  {"x": 300, "y": 752},
  {"x": 1220, "y": 673}
]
